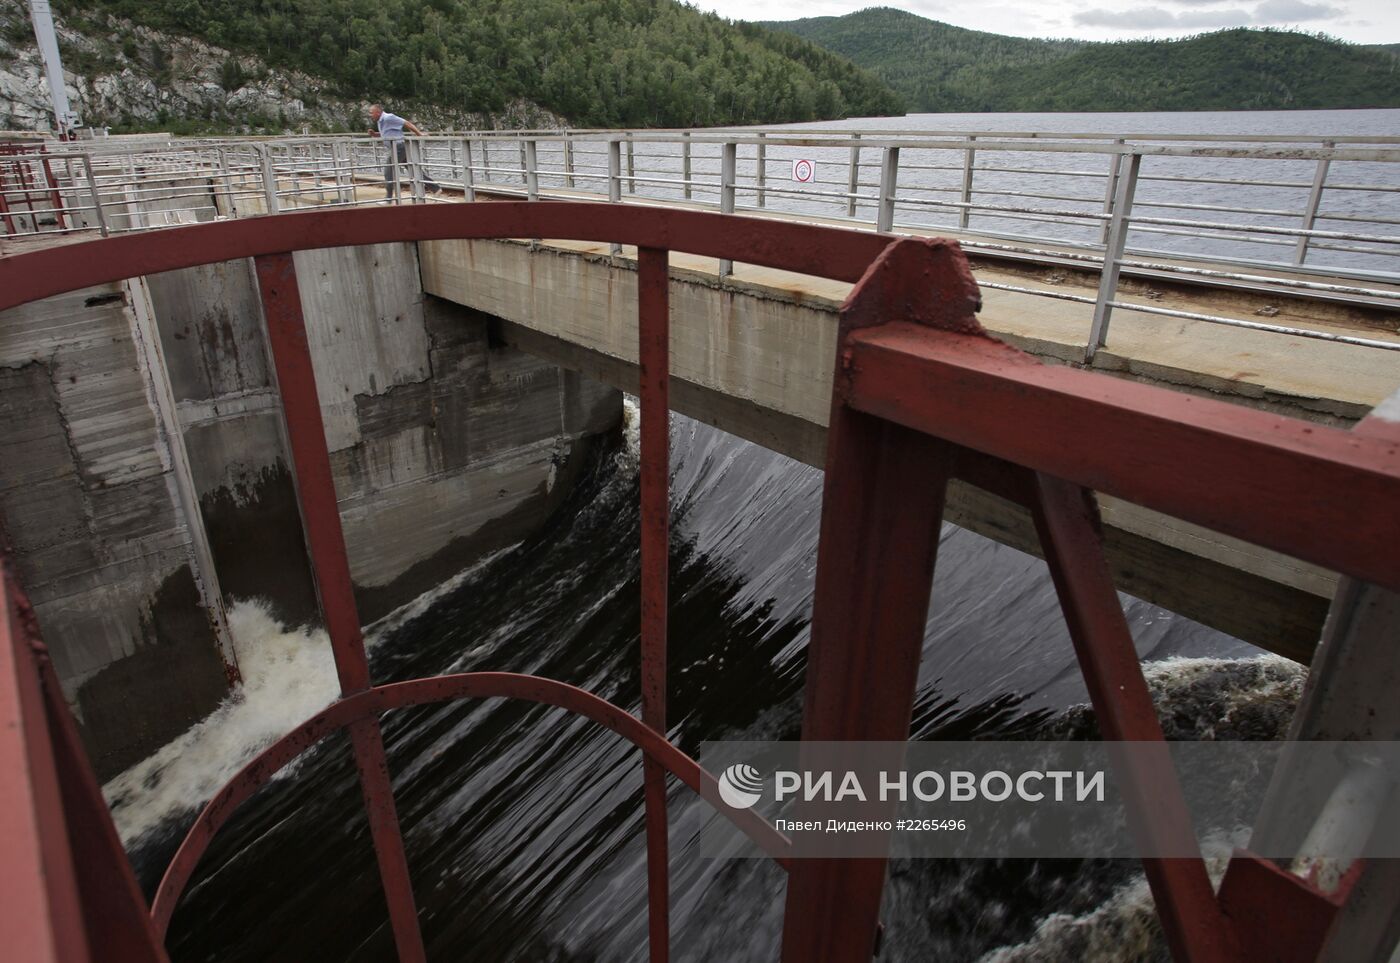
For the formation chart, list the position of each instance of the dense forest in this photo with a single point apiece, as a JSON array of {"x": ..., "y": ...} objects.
[
  {"x": 644, "y": 63},
  {"x": 935, "y": 66},
  {"x": 938, "y": 67},
  {"x": 1227, "y": 70}
]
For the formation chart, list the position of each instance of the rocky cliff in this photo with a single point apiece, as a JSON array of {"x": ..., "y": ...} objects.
[{"x": 131, "y": 78}]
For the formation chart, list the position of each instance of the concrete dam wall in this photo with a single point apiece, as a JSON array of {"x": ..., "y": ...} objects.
[{"x": 144, "y": 478}]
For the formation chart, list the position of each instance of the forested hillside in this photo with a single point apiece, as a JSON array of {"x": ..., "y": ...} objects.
[
  {"x": 938, "y": 67},
  {"x": 595, "y": 62},
  {"x": 1227, "y": 70},
  {"x": 935, "y": 66}
]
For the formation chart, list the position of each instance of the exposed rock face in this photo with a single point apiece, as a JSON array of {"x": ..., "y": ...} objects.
[{"x": 134, "y": 76}]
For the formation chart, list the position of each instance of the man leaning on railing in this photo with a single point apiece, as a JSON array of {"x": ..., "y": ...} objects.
[{"x": 390, "y": 128}]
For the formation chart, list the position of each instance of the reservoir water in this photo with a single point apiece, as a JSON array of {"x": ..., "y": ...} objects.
[{"x": 524, "y": 825}]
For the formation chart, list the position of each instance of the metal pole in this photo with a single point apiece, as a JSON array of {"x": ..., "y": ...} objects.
[
  {"x": 1115, "y": 166},
  {"x": 330, "y": 564},
  {"x": 532, "y": 174},
  {"x": 874, "y": 568},
  {"x": 568, "y": 161},
  {"x": 631, "y": 166},
  {"x": 729, "y": 163},
  {"x": 653, "y": 315},
  {"x": 96, "y": 196},
  {"x": 615, "y": 181},
  {"x": 55, "y": 195},
  {"x": 853, "y": 179},
  {"x": 227, "y": 181},
  {"x": 685, "y": 163},
  {"x": 969, "y": 165},
  {"x": 395, "y": 189},
  {"x": 468, "y": 175},
  {"x": 889, "y": 178},
  {"x": 1314, "y": 201},
  {"x": 524, "y": 167},
  {"x": 269, "y": 179},
  {"x": 1113, "y": 256},
  {"x": 415, "y": 167},
  {"x": 345, "y": 188},
  {"x": 47, "y": 40},
  {"x": 762, "y": 169}
]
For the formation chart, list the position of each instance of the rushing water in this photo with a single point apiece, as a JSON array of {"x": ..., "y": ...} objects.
[{"x": 524, "y": 824}]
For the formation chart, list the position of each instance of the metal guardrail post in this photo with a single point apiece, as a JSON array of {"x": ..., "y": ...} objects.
[
  {"x": 568, "y": 161},
  {"x": 1319, "y": 185},
  {"x": 532, "y": 173},
  {"x": 524, "y": 164},
  {"x": 226, "y": 177},
  {"x": 1113, "y": 256},
  {"x": 631, "y": 166},
  {"x": 728, "y": 168},
  {"x": 394, "y": 188},
  {"x": 762, "y": 169},
  {"x": 685, "y": 163},
  {"x": 269, "y": 179},
  {"x": 96, "y": 196},
  {"x": 969, "y": 166},
  {"x": 615, "y": 181},
  {"x": 889, "y": 181},
  {"x": 853, "y": 179},
  {"x": 468, "y": 175},
  {"x": 416, "y": 157},
  {"x": 1115, "y": 165},
  {"x": 340, "y": 159}
]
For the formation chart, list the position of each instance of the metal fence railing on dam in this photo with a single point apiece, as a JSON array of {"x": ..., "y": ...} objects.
[{"x": 1300, "y": 216}]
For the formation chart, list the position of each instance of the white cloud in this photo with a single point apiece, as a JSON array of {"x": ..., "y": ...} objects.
[
  {"x": 1155, "y": 18},
  {"x": 1269, "y": 13},
  {"x": 1294, "y": 11}
]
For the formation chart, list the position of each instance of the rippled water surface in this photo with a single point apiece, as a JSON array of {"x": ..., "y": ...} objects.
[{"x": 524, "y": 825}]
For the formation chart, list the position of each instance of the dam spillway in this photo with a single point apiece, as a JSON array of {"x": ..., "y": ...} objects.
[{"x": 1329, "y": 434}]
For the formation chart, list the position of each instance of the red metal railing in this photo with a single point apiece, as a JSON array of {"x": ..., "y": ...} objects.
[
  {"x": 27, "y": 183},
  {"x": 922, "y": 395}
]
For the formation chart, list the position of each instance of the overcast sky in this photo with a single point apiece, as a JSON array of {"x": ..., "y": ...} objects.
[{"x": 1361, "y": 21}]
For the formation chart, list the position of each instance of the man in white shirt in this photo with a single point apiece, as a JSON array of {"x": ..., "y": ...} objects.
[{"x": 390, "y": 128}]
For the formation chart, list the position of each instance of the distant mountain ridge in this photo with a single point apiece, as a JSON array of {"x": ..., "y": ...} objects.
[
  {"x": 603, "y": 63},
  {"x": 939, "y": 67}
]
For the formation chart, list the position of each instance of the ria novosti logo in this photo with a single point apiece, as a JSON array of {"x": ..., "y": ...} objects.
[{"x": 740, "y": 786}]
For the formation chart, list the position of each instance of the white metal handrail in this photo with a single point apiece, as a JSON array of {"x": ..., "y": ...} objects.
[{"x": 987, "y": 187}]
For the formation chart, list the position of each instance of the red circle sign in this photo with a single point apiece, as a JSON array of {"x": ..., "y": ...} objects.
[{"x": 803, "y": 171}]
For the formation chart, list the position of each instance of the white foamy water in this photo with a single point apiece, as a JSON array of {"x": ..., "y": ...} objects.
[
  {"x": 1122, "y": 929},
  {"x": 1220, "y": 697},
  {"x": 288, "y": 676}
]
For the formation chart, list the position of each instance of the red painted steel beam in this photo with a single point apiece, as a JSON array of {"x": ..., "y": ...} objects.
[
  {"x": 654, "y": 327},
  {"x": 1317, "y": 493},
  {"x": 1279, "y": 916},
  {"x": 39, "y": 904},
  {"x": 417, "y": 692},
  {"x": 808, "y": 249},
  {"x": 882, "y": 510},
  {"x": 315, "y": 486},
  {"x": 1067, "y": 520},
  {"x": 115, "y": 918}
]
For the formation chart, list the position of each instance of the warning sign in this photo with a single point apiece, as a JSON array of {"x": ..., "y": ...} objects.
[{"x": 804, "y": 171}]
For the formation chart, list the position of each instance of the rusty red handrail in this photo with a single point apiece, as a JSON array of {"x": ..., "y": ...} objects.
[{"x": 922, "y": 395}]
